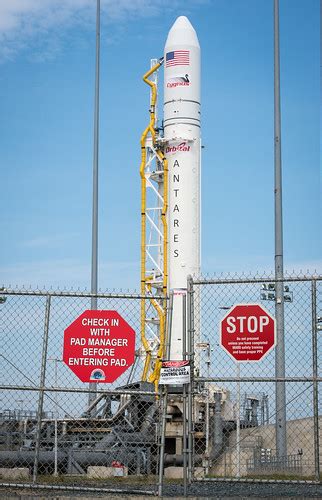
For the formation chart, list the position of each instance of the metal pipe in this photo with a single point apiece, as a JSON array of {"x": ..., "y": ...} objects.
[
  {"x": 190, "y": 386},
  {"x": 169, "y": 330},
  {"x": 162, "y": 444},
  {"x": 184, "y": 397},
  {"x": 153, "y": 394},
  {"x": 264, "y": 279},
  {"x": 73, "y": 489},
  {"x": 281, "y": 443},
  {"x": 84, "y": 458},
  {"x": 56, "y": 417},
  {"x": 217, "y": 445},
  {"x": 55, "y": 360},
  {"x": 207, "y": 408},
  {"x": 94, "y": 267},
  {"x": 41, "y": 388},
  {"x": 95, "y": 163},
  {"x": 164, "y": 400},
  {"x": 178, "y": 460},
  {"x": 260, "y": 379},
  {"x": 94, "y": 403},
  {"x": 315, "y": 384},
  {"x": 148, "y": 419},
  {"x": 238, "y": 421}
]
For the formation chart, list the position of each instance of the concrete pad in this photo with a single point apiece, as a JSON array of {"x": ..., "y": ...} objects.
[
  {"x": 100, "y": 472},
  {"x": 15, "y": 473},
  {"x": 173, "y": 472},
  {"x": 177, "y": 472}
]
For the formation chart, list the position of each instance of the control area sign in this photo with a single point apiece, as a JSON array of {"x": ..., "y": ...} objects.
[
  {"x": 99, "y": 346},
  {"x": 175, "y": 373},
  {"x": 247, "y": 332}
]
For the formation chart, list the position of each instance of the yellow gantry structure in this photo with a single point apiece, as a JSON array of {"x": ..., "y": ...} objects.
[{"x": 154, "y": 239}]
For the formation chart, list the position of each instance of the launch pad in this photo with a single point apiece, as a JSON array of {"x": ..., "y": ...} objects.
[
  {"x": 124, "y": 430},
  {"x": 135, "y": 427}
]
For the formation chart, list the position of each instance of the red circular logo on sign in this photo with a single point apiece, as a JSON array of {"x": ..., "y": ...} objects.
[
  {"x": 247, "y": 332},
  {"x": 99, "y": 346}
]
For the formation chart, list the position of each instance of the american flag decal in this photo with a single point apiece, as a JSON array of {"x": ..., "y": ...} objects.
[{"x": 177, "y": 58}]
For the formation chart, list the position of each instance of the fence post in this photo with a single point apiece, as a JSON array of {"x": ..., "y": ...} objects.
[
  {"x": 41, "y": 387},
  {"x": 184, "y": 397},
  {"x": 280, "y": 396},
  {"x": 164, "y": 400},
  {"x": 315, "y": 384},
  {"x": 190, "y": 314}
]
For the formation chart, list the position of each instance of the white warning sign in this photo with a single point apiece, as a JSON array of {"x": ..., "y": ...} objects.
[{"x": 175, "y": 373}]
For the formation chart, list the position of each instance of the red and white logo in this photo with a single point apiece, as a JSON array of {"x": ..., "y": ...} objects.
[
  {"x": 182, "y": 147},
  {"x": 178, "y": 81}
]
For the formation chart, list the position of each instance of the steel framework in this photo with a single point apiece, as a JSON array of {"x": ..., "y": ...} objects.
[{"x": 154, "y": 240}]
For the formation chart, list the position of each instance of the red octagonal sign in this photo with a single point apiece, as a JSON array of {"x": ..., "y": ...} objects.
[
  {"x": 99, "y": 346},
  {"x": 247, "y": 332}
]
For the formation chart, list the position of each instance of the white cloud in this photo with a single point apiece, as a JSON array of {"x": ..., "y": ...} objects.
[{"x": 22, "y": 22}]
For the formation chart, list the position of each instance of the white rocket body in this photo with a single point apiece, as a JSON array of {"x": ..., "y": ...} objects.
[{"x": 182, "y": 150}]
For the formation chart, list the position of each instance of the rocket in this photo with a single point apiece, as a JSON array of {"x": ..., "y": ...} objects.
[{"x": 182, "y": 149}]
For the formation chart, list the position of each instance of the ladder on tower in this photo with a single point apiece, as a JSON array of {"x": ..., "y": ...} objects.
[{"x": 154, "y": 241}]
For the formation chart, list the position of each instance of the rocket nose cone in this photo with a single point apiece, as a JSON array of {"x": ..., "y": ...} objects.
[
  {"x": 182, "y": 22},
  {"x": 182, "y": 33}
]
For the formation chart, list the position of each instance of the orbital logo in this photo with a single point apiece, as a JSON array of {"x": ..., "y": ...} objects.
[
  {"x": 182, "y": 147},
  {"x": 97, "y": 374},
  {"x": 178, "y": 81}
]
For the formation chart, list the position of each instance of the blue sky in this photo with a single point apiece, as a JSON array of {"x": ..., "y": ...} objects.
[{"x": 47, "y": 54}]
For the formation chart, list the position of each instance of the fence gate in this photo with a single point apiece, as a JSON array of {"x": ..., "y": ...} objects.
[
  {"x": 256, "y": 419},
  {"x": 56, "y": 430}
]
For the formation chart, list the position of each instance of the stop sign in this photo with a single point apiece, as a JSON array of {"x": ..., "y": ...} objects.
[
  {"x": 99, "y": 346},
  {"x": 247, "y": 332}
]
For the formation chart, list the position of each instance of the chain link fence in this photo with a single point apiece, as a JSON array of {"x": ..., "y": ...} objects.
[
  {"x": 53, "y": 427},
  {"x": 235, "y": 420},
  {"x": 60, "y": 432}
]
